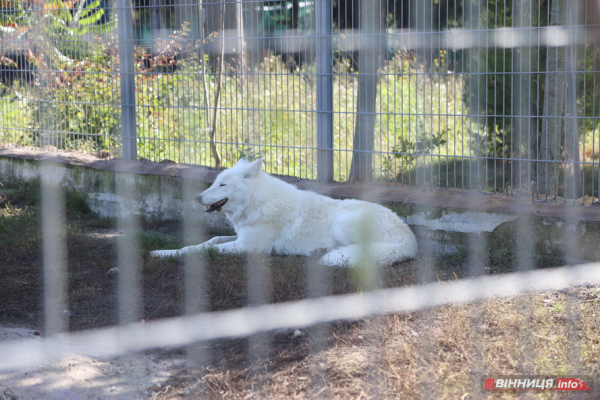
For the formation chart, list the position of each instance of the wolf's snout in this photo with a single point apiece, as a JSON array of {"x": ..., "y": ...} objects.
[{"x": 199, "y": 198}]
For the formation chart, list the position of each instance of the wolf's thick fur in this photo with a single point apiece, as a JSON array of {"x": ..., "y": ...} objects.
[{"x": 272, "y": 216}]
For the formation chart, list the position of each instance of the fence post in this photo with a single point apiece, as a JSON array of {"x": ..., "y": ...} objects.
[
  {"x": 126, "y": 73},
  {"x": 324, "y": 47}
]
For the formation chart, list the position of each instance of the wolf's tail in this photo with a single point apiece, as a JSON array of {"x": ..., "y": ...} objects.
[{"x": 378, "y": 254}]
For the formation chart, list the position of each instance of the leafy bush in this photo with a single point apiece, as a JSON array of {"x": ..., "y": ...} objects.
[
  {"x": 268, "y": 113},
  {"x": 418, "y": 119},
  {"x": 79, "y": 110}
]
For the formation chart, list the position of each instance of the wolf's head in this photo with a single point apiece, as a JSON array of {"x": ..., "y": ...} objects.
[{"x": 231, "y": 188}]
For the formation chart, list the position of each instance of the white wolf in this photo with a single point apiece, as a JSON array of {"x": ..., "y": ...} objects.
[{"x": 272, "y": 216}]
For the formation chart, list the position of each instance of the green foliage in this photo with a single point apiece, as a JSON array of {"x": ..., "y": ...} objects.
[
  {"x": 249, "y": 152},
  {"x": 20, "y": 195},
  {"x": 77, "y": 206},
  {"x": 415, "y": 124},
  {"x": 267, "y": 114},
  {"x": 425, "y": 110},
  {"x": 13, "y": 12},
  {"x": 149, "y": 241},
  {"x": 61, "y": 24},
  {"x": 588, "y": 87},
  {"x": 409, "y": 151},
  {"x": 54, "y": 107},
  {"x": 19, "y": 214},
  {"x": 15, "y": 116},
  {"x": 491, "y": 84},
  {"x": 24, "y": 221},
  {"x": 170, "y": 121},
  {"x": 89, "y": 15},
  {"x": 82, "y": 101},
  {"x": 23, "y": 193}
]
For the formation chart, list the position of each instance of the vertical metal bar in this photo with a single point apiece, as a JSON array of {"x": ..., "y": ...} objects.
[
  {"x": 476, "y": 59},
  {"x": 126, "y": 72},
  {"x": 128, "y": 249},
  {"x": 128, "y": 246},
  {"x": 54, "y": 249},
  {"x": 422, "y": 24},
  {"x": 572, "y": 120},
  {"x": 572, "y": 237},
  {"x": 521, "y": 104},
  {"x": 324, "y": 36},
  {"x": 194, "y": 268},
  {"x": 258, "y": 281}
]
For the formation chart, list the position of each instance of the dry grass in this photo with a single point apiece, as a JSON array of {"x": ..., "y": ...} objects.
[{"x": 441, "y": 353}]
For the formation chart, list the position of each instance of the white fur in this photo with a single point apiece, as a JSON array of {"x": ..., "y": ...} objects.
[{"x": 272, "y": 216}]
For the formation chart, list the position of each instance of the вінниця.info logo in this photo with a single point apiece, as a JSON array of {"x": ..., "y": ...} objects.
[{"x": 538, "y": 382}]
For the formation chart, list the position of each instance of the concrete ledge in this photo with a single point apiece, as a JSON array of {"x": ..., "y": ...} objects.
[
  {"x": 443, "y": 217},
  {"x": 446, "y": 198}
]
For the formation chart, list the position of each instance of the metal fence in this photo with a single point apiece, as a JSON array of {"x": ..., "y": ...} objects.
[
  {"x": 470, "y": 94},
  {"x": 483, "y": 95},
  {"x": 564, "y": 318}
]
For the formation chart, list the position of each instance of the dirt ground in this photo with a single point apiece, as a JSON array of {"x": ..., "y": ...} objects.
[
  {"x": 441, "y": 353},
  {"x": 127, "y": 377}
]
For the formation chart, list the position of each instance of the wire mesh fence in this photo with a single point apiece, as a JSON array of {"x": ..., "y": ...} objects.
[
  {"x": 218, "y": 298},
  {"x": 467, "y": 95}
]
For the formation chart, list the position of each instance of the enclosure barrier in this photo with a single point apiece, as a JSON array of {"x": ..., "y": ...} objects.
[
  {"x": 182, "y": 331},
  {"x": 431, "y": 94},
  {"x": 457, "y": 95}
]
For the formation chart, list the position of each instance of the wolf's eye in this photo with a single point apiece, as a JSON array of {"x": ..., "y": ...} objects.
[{"x": 222, "y": 184}]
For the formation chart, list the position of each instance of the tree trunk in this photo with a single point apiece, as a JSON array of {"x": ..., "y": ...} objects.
[
  {"x": 255, "y": 45},
  {"x": 239, "y": 24},
  {"x": 211, "y": 122},
  {"x": 554, "y": 108},
  {"x": 155, "y": 22},
  {"x": 523, "y": 126},
  {"x": 372, "y": 27},
  {"x": 572, "y": 167}
]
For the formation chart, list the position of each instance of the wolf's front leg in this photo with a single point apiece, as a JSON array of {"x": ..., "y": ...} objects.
[
  {"x": 218, "y": 240},
  {"x": 255, "y": 241},
  {"x": 193, "y": 249}
]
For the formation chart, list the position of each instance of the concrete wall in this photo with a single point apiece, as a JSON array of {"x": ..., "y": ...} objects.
[{"x": 445, "y": 221}]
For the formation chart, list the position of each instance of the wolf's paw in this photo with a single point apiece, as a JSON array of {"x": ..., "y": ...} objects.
[
  {"x": 321, "y": 251},
  {"x": 213, "y": 241},
  {"x": 164, "y": 253},
  {"x": 336, "y": 259}
]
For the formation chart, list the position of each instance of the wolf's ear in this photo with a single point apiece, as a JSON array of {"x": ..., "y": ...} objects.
[
  {"x": 242, "y": 161},
  {"x": 254, "y": 168}
]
